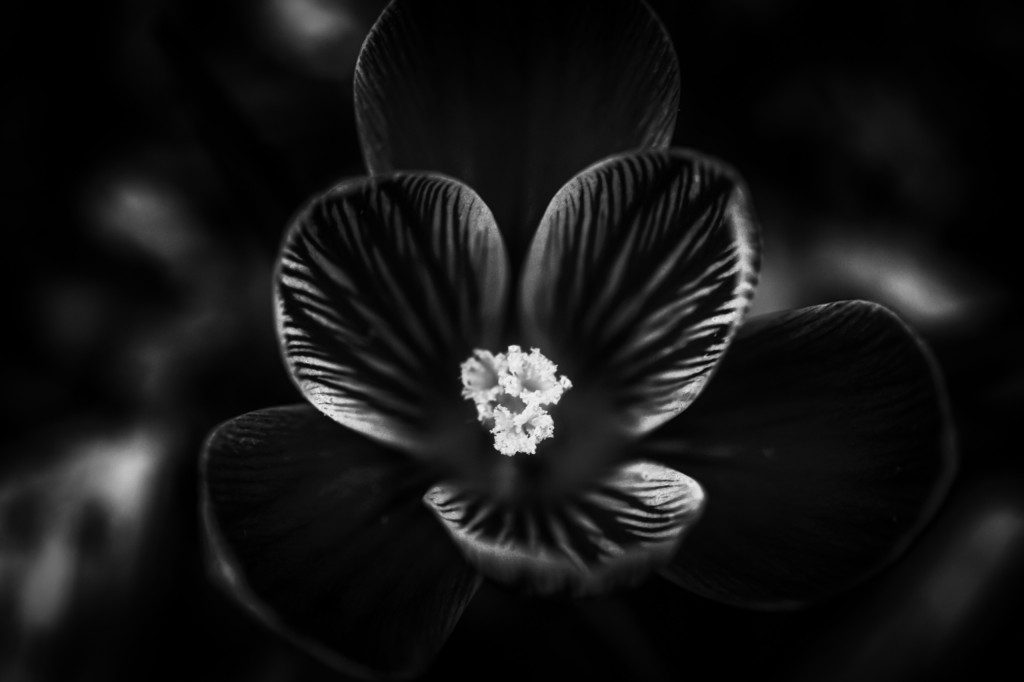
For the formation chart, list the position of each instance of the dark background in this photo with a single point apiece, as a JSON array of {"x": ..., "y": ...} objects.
[{"x": 153, "y": 151}]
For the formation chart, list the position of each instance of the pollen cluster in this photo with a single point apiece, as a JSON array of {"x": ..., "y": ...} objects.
[{"x": 511, "y": 391}]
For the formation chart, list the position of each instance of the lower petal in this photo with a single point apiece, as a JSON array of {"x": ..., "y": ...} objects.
[
  {"x": 320, "y": 533},
  {"x": 824, "y": 444},
  {"x": 613, "y": 534}
]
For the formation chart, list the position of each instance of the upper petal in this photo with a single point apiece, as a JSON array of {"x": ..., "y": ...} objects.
[
  {"x": 321, "y": 534},
  {"x": 513, "y": 98},
  {"x": 384, "y": 287},
  {"x": 824, "y": 444},
  {"x": 641, "y": 270}
]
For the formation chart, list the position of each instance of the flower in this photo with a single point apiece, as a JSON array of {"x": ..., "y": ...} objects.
[{"x": 523, "y": 196}]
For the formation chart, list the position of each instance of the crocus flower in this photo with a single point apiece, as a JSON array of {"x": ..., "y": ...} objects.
[{"x": 522, "y": 345}]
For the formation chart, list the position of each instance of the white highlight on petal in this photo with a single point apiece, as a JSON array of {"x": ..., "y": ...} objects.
[{"x": 511, "y": 391}]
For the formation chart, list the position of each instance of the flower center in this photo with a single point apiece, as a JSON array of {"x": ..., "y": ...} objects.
[{"x": 511, "y": 391}]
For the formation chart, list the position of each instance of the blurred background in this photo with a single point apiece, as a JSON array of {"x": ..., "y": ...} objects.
[{"x": 153, "y": 152}]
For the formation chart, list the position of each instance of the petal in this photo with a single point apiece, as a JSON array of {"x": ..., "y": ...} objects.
[
  {"x": 513, "y": 98},
  {"x": 824, "y": 443},
  {"x": 384, "y": 287},
  {"x": 320, "y": 533},
  {"x": 641, "y": 270},
  {"x": 610, "y": 535}
]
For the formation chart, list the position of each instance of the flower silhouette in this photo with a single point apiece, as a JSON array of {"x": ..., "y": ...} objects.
[{"x": 522, "y": 345}]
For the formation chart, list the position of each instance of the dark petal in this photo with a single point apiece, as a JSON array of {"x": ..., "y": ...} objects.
[
  {"x": 321, "y": 533},
  {"x": 615, "y": 533},
  {"x": 384, "y": 287},
  {"x": 824, "y": 444},
  {"x": 642, "y": 269},
  {"x": 513, "y": 98}
]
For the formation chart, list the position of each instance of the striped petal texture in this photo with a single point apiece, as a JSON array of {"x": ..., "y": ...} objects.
[
  {"x": 384, "y": 287},
  {"x": 824, "y": 444},
  {"x": 613, "y": 534},
  {"x": 320, "y": 533},
  {"x": 513, "y": 98},
  {"x": 640, "y": 273}
]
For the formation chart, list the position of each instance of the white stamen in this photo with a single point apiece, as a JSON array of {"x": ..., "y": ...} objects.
[{"x": 511, "y": 391}]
